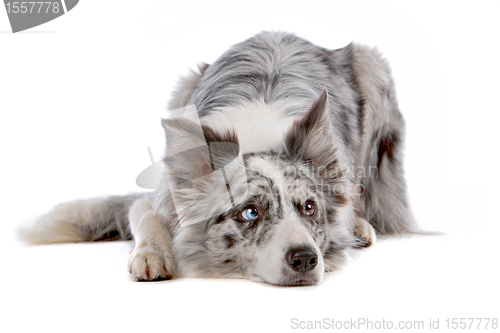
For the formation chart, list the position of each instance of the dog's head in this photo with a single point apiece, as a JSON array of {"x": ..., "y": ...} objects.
[{"x": 282, "y": 217}]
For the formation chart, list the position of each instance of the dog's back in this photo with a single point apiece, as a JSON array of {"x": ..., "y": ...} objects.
[{"x": 261, "y": 86}]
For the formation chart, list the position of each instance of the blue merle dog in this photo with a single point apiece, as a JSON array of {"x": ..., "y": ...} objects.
[{"x": 319, "y": 137}]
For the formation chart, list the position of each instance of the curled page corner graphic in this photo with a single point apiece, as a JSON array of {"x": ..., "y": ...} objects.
[
  {"x": 25, "y": 15},
  {"x": 150, "y": 177},
  {"x": 202, "y": 169}
]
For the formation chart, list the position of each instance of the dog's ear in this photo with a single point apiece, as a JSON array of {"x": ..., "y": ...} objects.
[
  {"x": 310, "y": 140},
  {"x": 186, "y": 86},
  {"x": 202, "y": 166}
]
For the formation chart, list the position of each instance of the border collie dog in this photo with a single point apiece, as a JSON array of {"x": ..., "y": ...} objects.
[{"x": 291, "y": 162}]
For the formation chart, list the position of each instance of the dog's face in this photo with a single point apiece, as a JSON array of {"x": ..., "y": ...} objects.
[
  {"x": 279, "y": 232},
  {"x": 285, "y": 221}
]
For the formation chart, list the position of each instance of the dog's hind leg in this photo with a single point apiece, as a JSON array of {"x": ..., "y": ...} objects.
[
  {"x": 152, "y": 258},
  {"x": 384, "y": 198}
]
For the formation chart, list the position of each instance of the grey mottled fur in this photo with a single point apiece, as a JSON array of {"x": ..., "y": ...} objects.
[
  {"x": 356, "y": 124},
  {"x": 362, "y": 103}
]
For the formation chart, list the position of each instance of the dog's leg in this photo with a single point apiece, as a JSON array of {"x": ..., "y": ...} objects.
[
  {"x": 386, "y": 202},
  {"x": 363, "y": 230},
  {"x": 365, "y": 234},
  {"x": 152, "y": 258},
  {"x": 381, "y": 153}
]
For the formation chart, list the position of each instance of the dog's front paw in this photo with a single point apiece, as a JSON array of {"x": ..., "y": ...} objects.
[
  {"x": 365, "y": 234},
  {"x": 149, "y": 264}
]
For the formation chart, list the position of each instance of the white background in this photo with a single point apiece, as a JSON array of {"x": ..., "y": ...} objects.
[{"x": 81, "y": 99}]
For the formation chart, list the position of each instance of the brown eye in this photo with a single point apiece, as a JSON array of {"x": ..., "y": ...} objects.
[{"x": 309, "y": 208}]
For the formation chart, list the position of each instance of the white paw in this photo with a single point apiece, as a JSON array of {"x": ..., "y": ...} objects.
[
  {"x": 365, "y": 233},
  {"x": 148, "y": 264}
]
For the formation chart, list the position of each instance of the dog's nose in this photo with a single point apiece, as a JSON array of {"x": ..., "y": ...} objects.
[{"x": 301, "y": 259}]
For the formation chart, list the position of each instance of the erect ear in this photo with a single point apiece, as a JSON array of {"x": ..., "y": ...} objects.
[
  {"x": 186, "y": 86},
  {"x": 311, "y": 140},
  {"x": 200, "y": 166}
]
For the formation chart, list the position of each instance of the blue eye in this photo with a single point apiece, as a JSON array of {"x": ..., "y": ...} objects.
[{"x": 250, "y": 214}]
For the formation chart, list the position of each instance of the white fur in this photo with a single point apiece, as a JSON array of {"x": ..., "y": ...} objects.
[
  {"x": 271, "y": 265},
  {"x": 152, "y": 256},
  {"x": 60, "y": 225},
  {"x": 269, "y": 170},
  {"x": 366, "y": 231},
  {"x": 259, "y": 126}
]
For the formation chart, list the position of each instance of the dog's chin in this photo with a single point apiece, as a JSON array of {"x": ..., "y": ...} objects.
[
  {"x": 292, "y": 279},
  {"x": 300, "y": 280},
  {"x": 296, "y": 283}
]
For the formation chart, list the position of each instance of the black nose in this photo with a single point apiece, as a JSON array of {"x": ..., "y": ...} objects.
[{"x": 301, "y": 259}]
